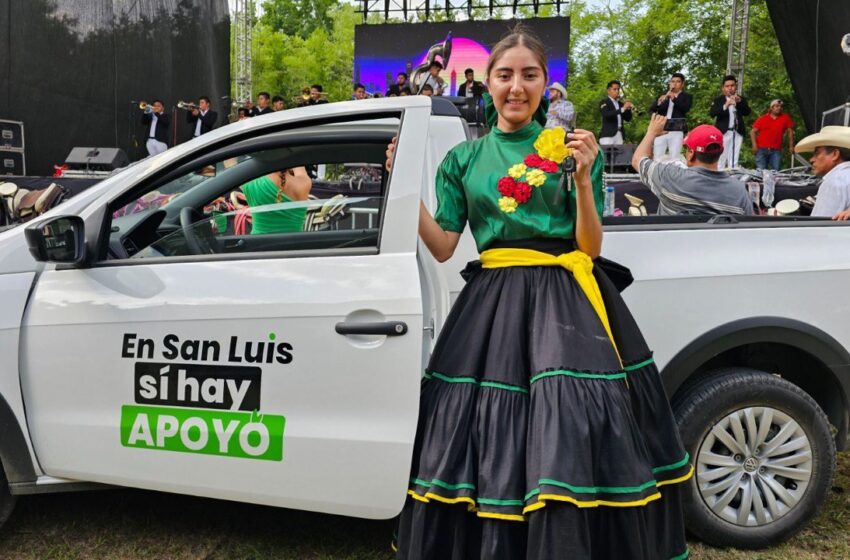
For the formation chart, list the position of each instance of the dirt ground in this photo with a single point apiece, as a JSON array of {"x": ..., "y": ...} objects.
[{"x": 129, "y": 524}]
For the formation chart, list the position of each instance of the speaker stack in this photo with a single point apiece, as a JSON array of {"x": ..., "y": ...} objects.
[
  {"x": 12, "y": 160},
  {"x": 94, "y": 162}
]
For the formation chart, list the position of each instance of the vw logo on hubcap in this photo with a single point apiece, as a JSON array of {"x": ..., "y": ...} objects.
[{"x": 751, "y": 464}]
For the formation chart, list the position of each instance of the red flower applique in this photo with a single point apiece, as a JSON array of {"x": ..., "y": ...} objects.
[
  {"x": 533, "y": 160},
  {"x": 516, "y": 187},
  {"x": 506, "y": 186},
  {"x": 522, "y": 192},
  {"x": 548, "y": 166}
]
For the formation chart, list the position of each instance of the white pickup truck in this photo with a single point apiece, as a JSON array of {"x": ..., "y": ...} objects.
[{"x": 144, "y": 343}]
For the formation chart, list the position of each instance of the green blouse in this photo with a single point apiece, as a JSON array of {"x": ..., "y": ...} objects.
[
  {"x": 467, "y": 191},
  {"x": 263, "y": 192}
]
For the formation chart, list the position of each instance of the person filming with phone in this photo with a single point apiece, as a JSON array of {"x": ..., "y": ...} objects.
[
  {"x": 674, "y": 106},
  {"x": 699, "y": 188}
]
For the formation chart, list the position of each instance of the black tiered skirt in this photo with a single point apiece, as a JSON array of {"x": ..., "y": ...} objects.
[{"x": 533, "y": 440}]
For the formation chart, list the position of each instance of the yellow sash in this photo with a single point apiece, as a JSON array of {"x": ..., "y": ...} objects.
[{"x": 577, "y": 262}]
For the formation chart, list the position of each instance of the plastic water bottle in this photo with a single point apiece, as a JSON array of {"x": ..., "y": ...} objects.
[
  {"x": 769, "y": 188},
  {"x": 608, "y": 206}
]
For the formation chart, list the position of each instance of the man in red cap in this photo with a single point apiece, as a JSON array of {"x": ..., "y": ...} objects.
[{"x": 698, "y": 188}]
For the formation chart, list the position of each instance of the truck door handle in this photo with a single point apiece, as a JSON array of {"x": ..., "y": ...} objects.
[{"x": 388, "y": 328}]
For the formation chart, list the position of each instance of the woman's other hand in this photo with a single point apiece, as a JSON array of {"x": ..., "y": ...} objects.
[
  {"x": 585, "y": 149},
  {"x": 391, "y": 152}
]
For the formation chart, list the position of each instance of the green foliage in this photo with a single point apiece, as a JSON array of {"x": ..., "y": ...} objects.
[
  {"x": 286, "y": 63},
  {"x": 297, "y": 17},
  {"x": 640, "y": 42}
]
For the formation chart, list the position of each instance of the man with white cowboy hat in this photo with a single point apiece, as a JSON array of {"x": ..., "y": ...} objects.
[
  {"x": 830, "y": 149},
  {"x": 561, "y": 112}
]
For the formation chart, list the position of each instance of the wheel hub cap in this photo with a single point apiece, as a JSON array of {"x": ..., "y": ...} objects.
[{"x": 754, "y": 466}]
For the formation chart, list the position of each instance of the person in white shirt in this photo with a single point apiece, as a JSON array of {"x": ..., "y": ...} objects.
[
  {"x": 830, "y": 149},
  {"x": 433, "y": 79},
  {"x": 674, "y": 104},
  {"x": 201, "y": 120},
  {"x": 729, "y": 110},
  {"x": 615, "y": 112},
  {"x": 561, "y": 112},
  {"x": 158, "y": 123}
]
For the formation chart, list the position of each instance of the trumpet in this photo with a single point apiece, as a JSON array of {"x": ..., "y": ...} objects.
[
  {"x": 306, "y": 95},
  {"x": 186, "y": 106},
  {"x": 146, "y": 107}
]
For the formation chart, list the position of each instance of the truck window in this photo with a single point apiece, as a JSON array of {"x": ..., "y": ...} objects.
[{"x": 292, "y": 198}]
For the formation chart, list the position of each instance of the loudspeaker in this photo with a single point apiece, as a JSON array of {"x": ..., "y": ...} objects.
[
  {"x": 12, "y": 162},
  {"x": 619, "y": 158},
  {"x": 837, "y": 116},
  {"x": 11, "y": 135},
  {"x": 96, "y": 159}
]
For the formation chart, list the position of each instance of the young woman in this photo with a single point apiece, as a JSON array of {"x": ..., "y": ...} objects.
[
  {"x": 544, "y": 431},
  {"x": 287, "y": 185}
]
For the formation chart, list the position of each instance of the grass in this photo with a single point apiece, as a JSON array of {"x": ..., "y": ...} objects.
[{"x": 130, "y": 524}]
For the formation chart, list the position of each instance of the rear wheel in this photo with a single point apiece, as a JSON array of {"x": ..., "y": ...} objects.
[
  {"x": 7, "y": 500},
  {"x": 764, "y": 458}
]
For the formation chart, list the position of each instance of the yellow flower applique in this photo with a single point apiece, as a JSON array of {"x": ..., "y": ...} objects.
[
  {"x": 550, "y": 144},
  {"x": 507, "y": 204},
  {"x": 535, "y": 177},
  {"x": 517, "y": 171}
]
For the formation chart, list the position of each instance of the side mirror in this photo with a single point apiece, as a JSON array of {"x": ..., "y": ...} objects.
[{"x": 59, "y": 240}]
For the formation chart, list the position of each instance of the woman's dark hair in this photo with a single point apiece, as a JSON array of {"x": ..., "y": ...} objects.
[{"x": 520, "y": 36}]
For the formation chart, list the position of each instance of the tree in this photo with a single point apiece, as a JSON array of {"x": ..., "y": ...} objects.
[
  {"x": 286, "y": 63},
  {"x": 297, "y": 17}
]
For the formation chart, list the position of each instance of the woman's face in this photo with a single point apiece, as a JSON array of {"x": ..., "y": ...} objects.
[{"x": 517, "y": 82}]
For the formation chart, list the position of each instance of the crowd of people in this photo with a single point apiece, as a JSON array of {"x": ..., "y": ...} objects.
[{"x": 698, "y": 185}]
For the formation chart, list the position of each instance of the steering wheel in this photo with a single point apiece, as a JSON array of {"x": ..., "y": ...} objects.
[{"x": 188, "y": 218}]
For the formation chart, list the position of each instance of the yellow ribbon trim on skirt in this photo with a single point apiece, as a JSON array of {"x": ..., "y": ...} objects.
[{"x": 577, "y": 262}]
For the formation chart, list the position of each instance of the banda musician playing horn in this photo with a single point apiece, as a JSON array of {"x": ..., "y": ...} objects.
[{"x": 158, "y": 123}]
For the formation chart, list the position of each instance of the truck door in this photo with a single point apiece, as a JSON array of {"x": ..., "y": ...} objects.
[{"x": 281, "y": 369}]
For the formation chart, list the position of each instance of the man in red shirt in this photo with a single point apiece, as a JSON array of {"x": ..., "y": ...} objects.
[{"x": 767, "y": 133}]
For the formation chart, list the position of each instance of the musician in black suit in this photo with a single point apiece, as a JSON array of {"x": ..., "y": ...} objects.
[
  {"x": 202, "y": 119},
  {"x": 729, "y": 111},
  {"x": 471, "y": 87},
  {"x": 158, "y": 123},
  {"x": 615, "y": 112},
  {"x": 674, "y": 104},
  {"x": 262, "y": 107}
]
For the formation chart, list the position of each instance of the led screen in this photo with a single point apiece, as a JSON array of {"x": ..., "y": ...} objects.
[{"x": 382, "y": 51}]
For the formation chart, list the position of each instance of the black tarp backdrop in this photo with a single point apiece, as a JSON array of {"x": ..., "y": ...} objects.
[
  {"x": 69, "y": 69},
  {"x": 809, "y": 33}
]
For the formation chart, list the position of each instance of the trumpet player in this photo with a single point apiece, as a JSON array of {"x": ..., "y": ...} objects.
[
  {"x": 674, "y": 104},
  {"x": 201, "y": 118},
  {"x": 615, "y": 112},
  {"x": 262, "y": 107},
  {"x": 729, "y": 110},
  {"x": 158, "y": 123},
  {"x": 314, "y": 96}
]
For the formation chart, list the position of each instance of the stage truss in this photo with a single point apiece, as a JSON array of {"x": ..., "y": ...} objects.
[
  {"x": 739, "y": 27},
  {"x": 243, "y": 24},
  {"x": 425, "y": 10}
]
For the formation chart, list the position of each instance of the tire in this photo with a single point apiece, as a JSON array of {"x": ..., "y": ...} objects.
[
  {"x": 7, "y": 500},
  {"x": 744, "y": 430}
]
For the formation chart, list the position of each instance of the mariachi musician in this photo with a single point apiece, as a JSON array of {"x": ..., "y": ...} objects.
[
  {"x": 200, "y": 117},
  {"x": 158, "y": 123}
]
